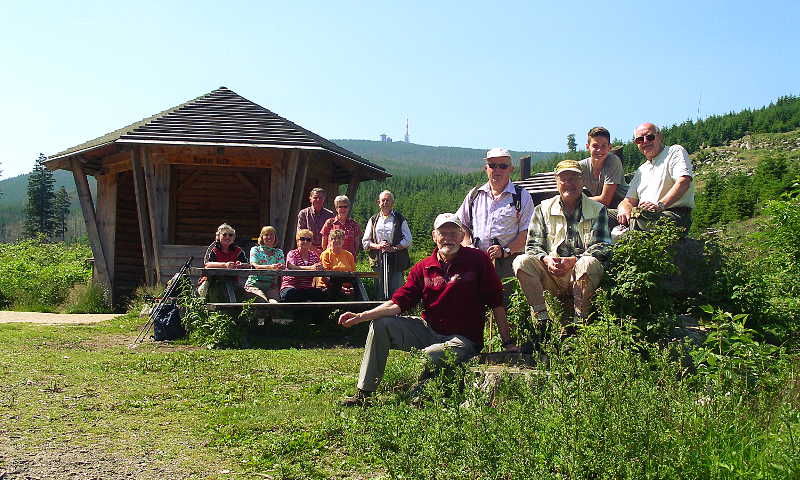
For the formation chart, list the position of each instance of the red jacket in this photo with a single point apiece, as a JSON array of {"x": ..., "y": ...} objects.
[{"x": 454, "y": 301}]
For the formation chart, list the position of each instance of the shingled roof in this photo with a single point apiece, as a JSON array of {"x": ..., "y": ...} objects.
[{"x": 224, "y": 118}]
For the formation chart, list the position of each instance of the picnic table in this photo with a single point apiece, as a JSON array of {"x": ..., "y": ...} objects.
[{"x": 362, "y": 303}]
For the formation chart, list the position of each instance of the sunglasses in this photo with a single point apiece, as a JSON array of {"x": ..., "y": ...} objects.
[
  {"x": 649, "y": 137},
  {"x": 304, "y": 239},
  {"x": 501, "y": 166},
  {"x": 342, "y": 206},
  {"x": 228, "y": 234}
]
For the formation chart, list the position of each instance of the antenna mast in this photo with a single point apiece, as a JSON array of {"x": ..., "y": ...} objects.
[{"x": 407, "y": 137}]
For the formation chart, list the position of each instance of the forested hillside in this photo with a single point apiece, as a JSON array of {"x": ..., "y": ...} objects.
[{"x": 403, "y": 159}]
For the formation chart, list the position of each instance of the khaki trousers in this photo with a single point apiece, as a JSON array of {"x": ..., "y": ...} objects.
[
  {"x": 561, "y": 286},
  {"x": 405, "y": 333}
]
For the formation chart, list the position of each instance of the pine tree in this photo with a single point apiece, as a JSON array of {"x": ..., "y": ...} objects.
[
  {"x": 571, "y": 145},
  {"x": 61, "y": 212},
  {"x": 39, "y": 210}
]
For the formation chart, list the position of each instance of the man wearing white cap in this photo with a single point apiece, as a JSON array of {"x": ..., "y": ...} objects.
[
  {"x": 568, "y": 239},
  {"x": 497, "y": 214},
  {"x": 455, "y": 285}
]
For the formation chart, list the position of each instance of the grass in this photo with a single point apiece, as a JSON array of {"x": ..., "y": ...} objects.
[{"x": 270, "y": 412}]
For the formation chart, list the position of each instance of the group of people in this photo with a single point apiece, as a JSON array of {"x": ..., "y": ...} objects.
[
  {"x": 560, "y": 246},
  {"x": 325, "y": 241}
]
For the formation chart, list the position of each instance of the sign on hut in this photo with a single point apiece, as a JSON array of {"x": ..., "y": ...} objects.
[{"x": 165, "y": 183}]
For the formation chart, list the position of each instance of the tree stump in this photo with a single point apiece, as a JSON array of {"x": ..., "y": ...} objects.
[{"x": 494, "y": 369}]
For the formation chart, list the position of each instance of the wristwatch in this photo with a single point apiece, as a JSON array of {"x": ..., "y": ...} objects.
[
  {"x": 506, "y": 251},
  {"x": 661, "y": 205}
]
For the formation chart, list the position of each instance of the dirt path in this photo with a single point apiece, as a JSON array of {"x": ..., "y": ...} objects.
[{"x": 55, "y": 318}]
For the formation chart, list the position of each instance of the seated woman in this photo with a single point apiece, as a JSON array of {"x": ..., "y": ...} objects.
[
  {"x": 300, "y": 289},
  {"x": 222, "y": 254},
  {"x": 265, "y": 256},
  {"x": 335, "y": 257}
]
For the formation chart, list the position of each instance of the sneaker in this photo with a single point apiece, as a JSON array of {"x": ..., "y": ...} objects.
[{"x": 360, "y": 398}]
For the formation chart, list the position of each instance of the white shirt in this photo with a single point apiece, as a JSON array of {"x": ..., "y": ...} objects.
[
  {"x": 496, "y": 218},
  {"x": 654, "y": 178},
  {"x": 384, "y": 230}
]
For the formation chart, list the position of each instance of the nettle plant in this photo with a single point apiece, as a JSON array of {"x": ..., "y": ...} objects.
[{"x": 640, "y": 260}]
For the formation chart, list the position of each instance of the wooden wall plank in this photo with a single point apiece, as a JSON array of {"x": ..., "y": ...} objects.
[{"x": 129, "y": 265}]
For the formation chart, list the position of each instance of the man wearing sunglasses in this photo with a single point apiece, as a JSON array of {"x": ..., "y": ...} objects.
[
  {"x": 497, "y": 215},
  {"x": 661, "y": 187}
]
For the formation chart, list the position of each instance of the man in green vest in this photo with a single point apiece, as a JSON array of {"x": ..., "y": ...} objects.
[
  {"x": 568, "y": 239},
  {"x": 386, "y": 240}
]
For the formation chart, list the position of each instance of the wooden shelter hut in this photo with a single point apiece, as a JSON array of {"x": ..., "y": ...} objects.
[{"x": 165, "y": 183}]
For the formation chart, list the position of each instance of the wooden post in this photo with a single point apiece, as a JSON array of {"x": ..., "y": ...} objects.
[
  {"x": 85, "y": 198},
  {"x": 281, "y": 186},
  {"x": 106, "y": 213},
  {"x": 145, "y": 233},
  {"x": 297, "y": 194},
  {"x": 352, "y": 188},
  {"x": 153, "y": 210},
  {"x": 525, "y": 167}
]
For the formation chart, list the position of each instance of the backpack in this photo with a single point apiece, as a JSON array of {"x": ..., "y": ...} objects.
[
  {"x": 516, "y": 200},
  {"x": 167, "y": 323}
]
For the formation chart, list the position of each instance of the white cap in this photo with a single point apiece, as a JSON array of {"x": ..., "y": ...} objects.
[
  {"x": 443, "y": 218},
  {"x": 497, "y": 152}
]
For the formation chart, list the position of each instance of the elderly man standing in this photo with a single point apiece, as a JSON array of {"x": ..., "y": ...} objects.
[
  {"x": 661, "y": 187},
  {"x": 314, "y": 217},
  {"x": 568, "y": 239},
  {"x": 386, "y": 239},
  {"x": 497, "y": 214},
  {"x": 455, "y": 285}
]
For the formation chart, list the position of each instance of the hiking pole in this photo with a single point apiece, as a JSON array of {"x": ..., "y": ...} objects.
[
  {"x": 172, "y": 285},
  {"x": 385, "y": 268}
]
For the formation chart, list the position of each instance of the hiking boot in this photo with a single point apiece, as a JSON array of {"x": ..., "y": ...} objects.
[
  {"x": 416, "y": 396},
  {"x": 360, "y": 398}
]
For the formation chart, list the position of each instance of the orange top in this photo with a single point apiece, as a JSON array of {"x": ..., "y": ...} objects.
[{"x": 341, "y": 261}]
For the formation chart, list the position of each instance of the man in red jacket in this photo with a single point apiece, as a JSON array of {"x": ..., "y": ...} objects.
[{"x": 455, "y": 285}]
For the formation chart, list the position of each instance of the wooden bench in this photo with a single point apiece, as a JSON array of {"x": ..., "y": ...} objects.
[
  {"x": 352, "y": 306},
  {"x": 232, "y": 303}
]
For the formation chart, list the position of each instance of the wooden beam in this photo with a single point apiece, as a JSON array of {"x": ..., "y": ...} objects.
[
  {"x": 145, "y": 233},
  {"x": 247, "y": 183},
  {"x": 281, "y": 183},
  {"x": 263, "y": 198},
  {"x": 188, "y": 181},
  {"x": 106, "y": 213},
  {"x": 352, "y": 189},
  {"x": 85, "y": 198},
  {"x": 153, "y": 209},
  {"x": 297, "y": 194}
]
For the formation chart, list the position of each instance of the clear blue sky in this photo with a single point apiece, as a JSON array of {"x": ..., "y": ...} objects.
[{"x": 471, "y": 74}]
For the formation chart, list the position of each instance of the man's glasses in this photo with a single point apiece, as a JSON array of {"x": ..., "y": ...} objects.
[
  {"x": 342, "y": 206},
  {"x": 649, "y": 137},
  {"x": 304, "y": 239},
  {"x": 227, "y": 234},
  {"x": 501, "y": 166}
]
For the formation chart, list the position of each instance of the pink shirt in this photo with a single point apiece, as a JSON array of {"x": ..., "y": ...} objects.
[
  {"x": 352, "y": 233},
  {"x": 294, "y": 258}
]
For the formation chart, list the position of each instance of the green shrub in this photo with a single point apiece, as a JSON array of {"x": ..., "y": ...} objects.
[
  {"x": 639, "y": 262},
  {"x": 38, "y": 275},
  {"x": 87, "y": 298},
  {"x": 609, "y": 406},
  {"x": 210, "y": 328}
]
